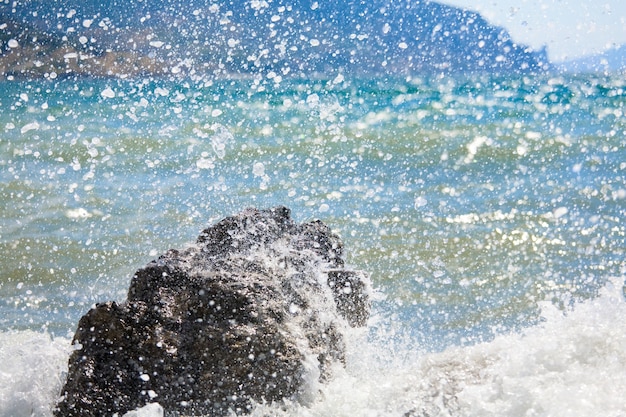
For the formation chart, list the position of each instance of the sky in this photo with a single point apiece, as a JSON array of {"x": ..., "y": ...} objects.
[{"x": 569, "y": 29}]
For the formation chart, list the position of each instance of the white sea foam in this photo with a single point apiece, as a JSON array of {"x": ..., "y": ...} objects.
[
  {"x": 149, "y": 410},
  {"x": 32, "y": 368},
  {"x": 571, "y": 364}
]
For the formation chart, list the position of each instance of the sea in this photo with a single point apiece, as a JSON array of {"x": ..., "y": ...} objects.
[{"x": 488, "y": 211}]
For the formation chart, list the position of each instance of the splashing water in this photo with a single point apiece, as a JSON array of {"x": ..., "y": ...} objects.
[
  {"x": 569, "y": 365},
  {"x": 487, "y": 210}
]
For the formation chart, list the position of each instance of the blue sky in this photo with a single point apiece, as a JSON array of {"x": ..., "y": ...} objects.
[{"x": 570, "y": 29}]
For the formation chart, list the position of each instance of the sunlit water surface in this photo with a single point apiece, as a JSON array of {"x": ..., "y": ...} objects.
[{"x": 483, "y": 208}]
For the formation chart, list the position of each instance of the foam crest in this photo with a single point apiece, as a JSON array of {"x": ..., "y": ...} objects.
[
  {"x": 32, "y": 368},
  {"x": 571, "y": 364}
]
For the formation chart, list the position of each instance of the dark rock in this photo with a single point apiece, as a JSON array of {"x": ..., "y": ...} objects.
[{"x": 234, "y": 319}]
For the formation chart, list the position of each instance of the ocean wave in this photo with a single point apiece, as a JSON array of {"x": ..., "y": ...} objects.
[{"x": 571, "y": 364}]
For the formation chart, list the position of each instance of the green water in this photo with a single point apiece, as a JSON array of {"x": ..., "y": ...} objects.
[{"x": 468, "y": 200}]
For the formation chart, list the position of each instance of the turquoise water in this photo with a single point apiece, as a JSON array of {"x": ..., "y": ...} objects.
[{"x": 471, "y": 202}]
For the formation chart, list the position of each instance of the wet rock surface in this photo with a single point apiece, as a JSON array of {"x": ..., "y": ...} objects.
[{"x": 253, "y": 312}]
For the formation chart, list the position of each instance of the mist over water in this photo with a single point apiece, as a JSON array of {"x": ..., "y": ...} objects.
[{"x": 488, "y": 211}]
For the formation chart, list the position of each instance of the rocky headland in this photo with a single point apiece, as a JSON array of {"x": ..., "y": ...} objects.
[{"x": 273, "y": 39}]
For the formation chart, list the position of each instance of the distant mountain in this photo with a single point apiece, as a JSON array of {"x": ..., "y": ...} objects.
[
  {"x": 253, "y": 36},
  {"x": 612, "y": 61}
]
